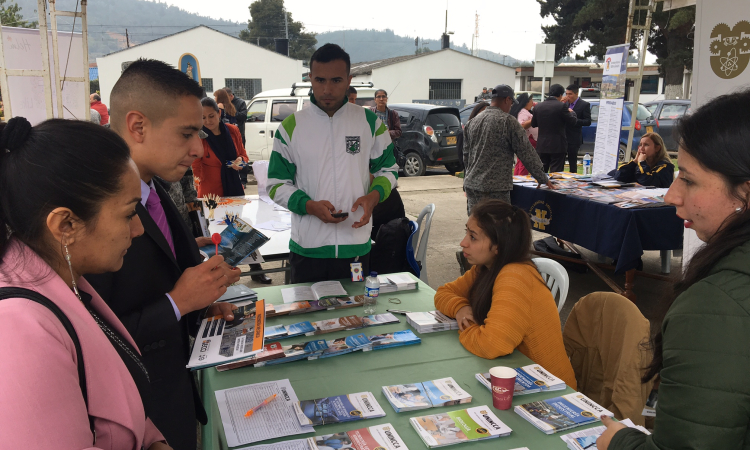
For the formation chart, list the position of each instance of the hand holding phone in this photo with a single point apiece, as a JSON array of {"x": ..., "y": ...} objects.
[{"x": 340, "y": 215}]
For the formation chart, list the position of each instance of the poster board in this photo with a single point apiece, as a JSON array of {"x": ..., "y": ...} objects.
[
  {"x": 720, "y": 64},
  {"x": 22, "y": 48},
  {"x": 609, "y": 125}
]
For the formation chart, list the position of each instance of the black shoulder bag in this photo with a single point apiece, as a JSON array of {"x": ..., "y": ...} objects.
[{"x": 13, "y": 292}]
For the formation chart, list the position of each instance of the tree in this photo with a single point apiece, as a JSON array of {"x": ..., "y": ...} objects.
[
  {"x": 11, "y": 16},
  {"x": 267, "y": 22},
  {"x": 604, "y": 23},
  {"x": 422, "y": 50}
]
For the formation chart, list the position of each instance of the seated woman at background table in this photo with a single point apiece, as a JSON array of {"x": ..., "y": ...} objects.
[
  {"x": 71, "y": 216},
  {"x": 502, "y": 303},
  {"x": 701, "y": 352},
  {"x": 651, "y": 166}
]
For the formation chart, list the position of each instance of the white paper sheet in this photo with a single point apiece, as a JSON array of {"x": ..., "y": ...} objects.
[
  {"x": 274, "y": 225},
  {"x": 276, "y": 419},
  {"x": 296, "y": 444}
]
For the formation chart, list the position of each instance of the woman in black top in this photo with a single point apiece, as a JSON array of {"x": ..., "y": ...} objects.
[{"x": 651, "y": 166}]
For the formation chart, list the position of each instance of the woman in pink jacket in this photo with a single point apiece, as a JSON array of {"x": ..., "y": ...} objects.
[{"x": 68, "y": 193}]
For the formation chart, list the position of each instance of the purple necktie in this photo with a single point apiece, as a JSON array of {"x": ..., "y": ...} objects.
[{"x": 154, "y": 208}]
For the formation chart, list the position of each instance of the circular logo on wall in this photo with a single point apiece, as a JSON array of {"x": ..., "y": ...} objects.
[
  {"x": 541, "y": 215},
  {"x": 730, "y": 49}
]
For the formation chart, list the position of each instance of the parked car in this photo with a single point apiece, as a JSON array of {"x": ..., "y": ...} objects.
[
  {"x": 589, "y": 93},
  {"x": 268, "y": 109},
  {"x": 645, "y": 123},
  {"x": 667, "y": 113},
  {"x": 429, "y": 136},
  {"x": 537, "y": 96}
]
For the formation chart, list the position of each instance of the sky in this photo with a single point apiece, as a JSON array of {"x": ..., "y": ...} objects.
[{"x": 509, "y": 27}]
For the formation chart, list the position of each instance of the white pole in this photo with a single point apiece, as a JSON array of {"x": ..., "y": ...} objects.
[
  {"x": 56, "y": 57},
  {"x": 85, "y": 38},
  {"x": 42, "y": 11}
]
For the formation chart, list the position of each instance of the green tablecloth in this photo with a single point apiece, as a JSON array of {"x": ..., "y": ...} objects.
[{"x": 439, "y": 355}]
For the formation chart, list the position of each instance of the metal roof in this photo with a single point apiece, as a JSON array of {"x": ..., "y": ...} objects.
[{"x": 366, "y": 68}]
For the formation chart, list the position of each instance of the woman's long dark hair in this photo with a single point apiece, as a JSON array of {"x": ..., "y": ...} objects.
[
  {"x": 58, "y": 163},
  {"x": 508, "y": 228},
  {"x": 717, "y": 136},
  {"x": 479, "y": 107},
  {"x": 521, "y": 101}
]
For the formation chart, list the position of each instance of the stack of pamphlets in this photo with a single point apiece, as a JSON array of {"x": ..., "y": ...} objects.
[
  {"x": 378, "y": 437},
  {"x": 455, "y": 427},
  {"x": 286, "y": 331},
  {"x": 395, "y": 339},
  {"x": 344, "y": 345},
  {"x": 240, "y": 293},
  {"x": 586, "y": 439},
  {"x": 269, "y": 352},
  {"x": 329, "y": 325},
  {"x": 295, "y": 352},
  {"x": 562, "y": 413},
  {"x": 317, "y": 291},
  {"x": 341, "y": 408},
  {"x": 219, "y": 341},
  {"x": 238, "y": 241},
  {"x": 428, "y": 322},
  {"x": 530, "y": 380},
  {"x": 316, "y": 305},
  {"x": 394, "y": 282},
  {"x": 427, "y": 394}
]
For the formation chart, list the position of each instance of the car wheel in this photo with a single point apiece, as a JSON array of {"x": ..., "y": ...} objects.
[
  {"x": 621, "y": 153},
  {"x": 414, "y": 165},
  {"x": 453, "y": 167}
]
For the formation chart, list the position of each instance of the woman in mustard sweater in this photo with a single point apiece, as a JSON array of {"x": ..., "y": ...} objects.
[{"x": 502, "y": 303}]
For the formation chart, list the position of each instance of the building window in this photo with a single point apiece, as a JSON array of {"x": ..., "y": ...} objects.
[
  {"x": 208, "y": 84},
  {"x": 535, "y": 85},
  {"x": 244, "y": 88},
  {"x": 445, "y": 89},
  {"x": 650, "y": 84}
]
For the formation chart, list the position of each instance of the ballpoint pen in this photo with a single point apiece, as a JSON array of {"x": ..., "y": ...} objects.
[
  {"x": 263, "y": 403},
  {"x": 398, "y": 311}
]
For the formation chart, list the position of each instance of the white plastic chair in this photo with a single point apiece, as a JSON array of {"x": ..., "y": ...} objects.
[
  {"x": 420, "y": 249},
  {"x": 556, "y": 277}
]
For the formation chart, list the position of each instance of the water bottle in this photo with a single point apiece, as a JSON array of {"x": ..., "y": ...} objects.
[
  {"x": 372, "y": 289},
  {"x": 587, "y": 164}
]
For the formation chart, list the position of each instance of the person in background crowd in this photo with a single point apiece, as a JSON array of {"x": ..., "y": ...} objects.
[
  {"x": 101, "y": 108},
  {"x": 479, "y": 107},
  {"x": 387, "y": 116},
  {"x": 95, "y": 117},
  {"x": 241, "y": 111},
  {"x": 321, "y": 164},
  {"x": 228, "y": 111},
  {"x": 502, "y": 303},
  {"x": 222, "y": 144},
  {"x": 552, "y": 117},
  {"x": 484, "y": 95},
  {"x": 522, "y": 111},
  {"x": 163, "y": 288},
  {"x": 651, "y": 166},
  {"x": 63, "y": 220},
  {"x": 700, "y": 352},
  {"x": 490, "y": 141},
  {"x": 574, "y": 133},
  {"x": 352, "y": 95}
]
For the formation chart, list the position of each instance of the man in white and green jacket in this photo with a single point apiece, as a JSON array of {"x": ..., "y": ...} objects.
[{"x": 331, "y": 157}]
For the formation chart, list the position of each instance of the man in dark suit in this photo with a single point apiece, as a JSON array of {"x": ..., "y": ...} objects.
[
  {"x": 551, "y": 117},
  {"x": 582, "y": 108},
  {"x": 163, "y": 289}
]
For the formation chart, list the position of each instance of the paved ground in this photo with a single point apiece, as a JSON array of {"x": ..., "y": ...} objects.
[{"x": 444, "y": 190}]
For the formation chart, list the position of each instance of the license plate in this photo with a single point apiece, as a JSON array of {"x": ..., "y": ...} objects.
[
  {"x": 649, "y": 129},
  {"x": 450, "y": 140}
]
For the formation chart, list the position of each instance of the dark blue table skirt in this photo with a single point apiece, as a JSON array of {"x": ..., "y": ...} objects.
[{"x": 621, "y": 234}]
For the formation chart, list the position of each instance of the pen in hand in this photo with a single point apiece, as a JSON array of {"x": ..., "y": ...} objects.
[{"x": 263, "y": 403}]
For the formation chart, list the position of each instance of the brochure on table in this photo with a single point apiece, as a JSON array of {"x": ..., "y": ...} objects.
[
  {"x": 274, "y": 420},
  {"x": 427, "y": 394},
  {"x": 317, "y": 291},
  {"x": 378, "y": 437},
  {"x": 562, "y": 413},
  {"x": 529, "y": 380},
  {"x": 339, "y": 408},
  {"x": 219, "y": 341},
  {"x": 455, "y": 427},
  {"x": 586, "y": 439}
]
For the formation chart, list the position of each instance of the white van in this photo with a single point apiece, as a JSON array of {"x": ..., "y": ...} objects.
[{"x": 267, "y": 110}]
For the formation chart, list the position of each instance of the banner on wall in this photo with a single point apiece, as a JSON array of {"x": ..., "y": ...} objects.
[
  {"x": 609, "y": 125},
  {"x": 189, "y": 65}
]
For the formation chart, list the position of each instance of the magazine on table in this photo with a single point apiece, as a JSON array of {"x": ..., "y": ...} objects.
[
  {"x": 219, "y": 341},
  {"x": 238, "y": 241},
  {"x": 317, "y": 305},
  {"x": 317, "y": 291},
  {"x": 339, "y": 408},
  {"x": 427, "y": 394},
  {"x": 586, "y": 439},
  {"x": 562, "y": 413},
  {"x": 395, "y": 339},
  {"x": 271, "y": 351},
  {"x": 455, "y": 427},
  {"x": 529, "y": 380},
  {"x": 378, "y": 437}
]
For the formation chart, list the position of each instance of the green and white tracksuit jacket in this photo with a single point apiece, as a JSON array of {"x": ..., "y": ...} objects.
[{"x": 317, "y": 157}]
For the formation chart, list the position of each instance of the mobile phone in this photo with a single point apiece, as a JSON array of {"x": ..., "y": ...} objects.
[{"x": 339, "y": 215}]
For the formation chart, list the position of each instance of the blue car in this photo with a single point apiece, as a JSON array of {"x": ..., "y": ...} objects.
[{"x": 646, "y": 124}]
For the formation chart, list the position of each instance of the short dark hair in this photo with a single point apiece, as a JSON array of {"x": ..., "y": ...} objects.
[
  {"x": 572, "y": 87},
  {"x": 208, "y": 101},
  {"x": 328, "y": 53},
  {"x": 147, "y": 85},
  {"x": 351, "y": 90},
  {"x": 96, "y": 97},
  {"x": 229, "y": 90},
  {"x": 379, "y": 91},
  {"x": 83, "y": 164},
  {"x": 556, "y": 90}
]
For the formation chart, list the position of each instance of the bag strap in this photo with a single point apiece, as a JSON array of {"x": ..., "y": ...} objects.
[{"x": 14, "y": 292}]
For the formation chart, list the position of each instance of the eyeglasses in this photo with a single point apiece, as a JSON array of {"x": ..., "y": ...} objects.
[{"x": 380, "y": 96}]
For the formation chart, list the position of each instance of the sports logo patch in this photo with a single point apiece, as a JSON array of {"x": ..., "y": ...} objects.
[{"x": 352, "y": 144}]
